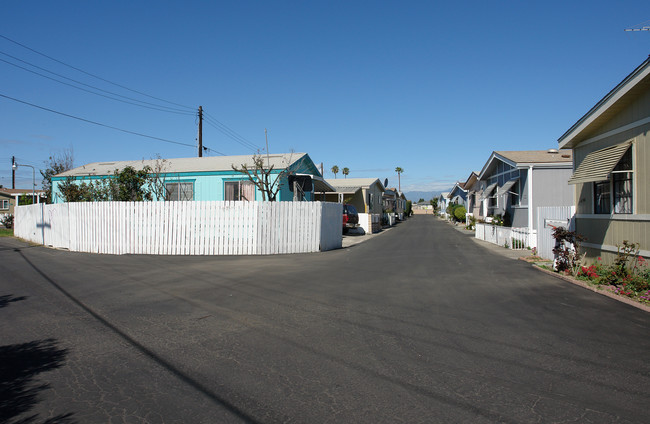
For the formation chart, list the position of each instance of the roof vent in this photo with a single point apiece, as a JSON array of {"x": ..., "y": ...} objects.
[{"x": 552, "y": 151}]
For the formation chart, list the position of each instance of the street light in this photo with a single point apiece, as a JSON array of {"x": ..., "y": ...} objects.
[{"x": 15, "y": 166}]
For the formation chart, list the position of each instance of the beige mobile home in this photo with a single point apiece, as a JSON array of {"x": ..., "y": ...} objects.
[{"x": 611, "y": 146}]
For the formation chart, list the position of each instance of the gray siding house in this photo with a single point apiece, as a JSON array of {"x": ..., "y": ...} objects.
[{"x": 515, "y": 183}]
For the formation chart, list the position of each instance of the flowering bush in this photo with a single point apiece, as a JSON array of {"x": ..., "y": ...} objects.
[{"x": 628, "y": 276}]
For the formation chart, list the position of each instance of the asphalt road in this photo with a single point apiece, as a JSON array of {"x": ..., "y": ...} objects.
[{"x": 419, "y": 324}]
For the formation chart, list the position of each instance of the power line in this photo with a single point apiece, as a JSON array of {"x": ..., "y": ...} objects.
[
  {"x": 212, "y": 150},
  {"x": 96, "y": 123},
  {"x": 210, "y": 120},
  {"x": 84, "y": 84},
  {"x": 230, "y": 133},
  {"x": 177, "y": 111},
  {"x": 92, "y": 75},
  {"x": 233, "y": 132}
]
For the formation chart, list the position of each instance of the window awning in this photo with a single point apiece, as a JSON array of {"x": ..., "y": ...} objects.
[
  {"x": 488, "y": 191},
  {"x": 597, "y": 165},
  {"x": 504, "y": 189},
  {"x": 321, "y": 186}
]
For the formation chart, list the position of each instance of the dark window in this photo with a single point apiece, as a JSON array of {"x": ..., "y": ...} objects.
[
  {"x": 240, "y": 190},
  {"x": 618, "y": 192},
  {"x": 622, "y": 192},
  {"x": 622, "y": 180},
  {"x": 602, "y": 203},
  {"x": 179, "y": 191}
]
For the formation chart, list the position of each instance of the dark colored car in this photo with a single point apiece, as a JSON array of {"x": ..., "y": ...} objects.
[{"x": 350, "y": 218}]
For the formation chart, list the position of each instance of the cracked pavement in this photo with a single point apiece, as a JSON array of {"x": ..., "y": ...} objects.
[{"x": 418, "y": 325}]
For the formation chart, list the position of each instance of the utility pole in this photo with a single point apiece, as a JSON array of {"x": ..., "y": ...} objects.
[
  {"x": 200, "y": 131},
  {"x": 268, "y": 159},
  {"x": 13, "y": 172}
]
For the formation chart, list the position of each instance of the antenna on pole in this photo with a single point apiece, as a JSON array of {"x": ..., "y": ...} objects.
[{"x": 643, "y": 26}]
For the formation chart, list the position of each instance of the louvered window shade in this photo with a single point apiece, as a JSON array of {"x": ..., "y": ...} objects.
[
  {"x": 597, "y": 165},
  {"x": 504, "y": 189},
  {"x": 488, "y": 191}
]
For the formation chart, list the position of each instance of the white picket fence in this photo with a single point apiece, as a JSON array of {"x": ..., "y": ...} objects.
[
  {"x": 183, "y": 228},
  {"x": 513, "y": 238},
  {"x": 548, "y": 218}
]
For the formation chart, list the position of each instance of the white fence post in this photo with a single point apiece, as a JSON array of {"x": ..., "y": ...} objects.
[{"x": 549, "y": 217}]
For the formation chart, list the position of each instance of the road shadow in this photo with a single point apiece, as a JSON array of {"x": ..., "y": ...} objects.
[
  {"x": 9, "y": 298},
  {"x": 20, "y": 364}
]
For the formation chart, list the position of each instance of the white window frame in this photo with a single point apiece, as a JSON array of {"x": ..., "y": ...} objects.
[
  {"x": 4, "y": 202},
  {"x": 612, "y": 187}
]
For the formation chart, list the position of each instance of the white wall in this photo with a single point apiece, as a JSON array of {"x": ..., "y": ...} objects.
[{"x": 183, "y": 228}]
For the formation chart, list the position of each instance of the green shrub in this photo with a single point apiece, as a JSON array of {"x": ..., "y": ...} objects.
[{"x": 459, "y": 213}]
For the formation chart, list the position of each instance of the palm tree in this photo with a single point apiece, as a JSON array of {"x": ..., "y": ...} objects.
[
  {"x": 346, "y": 172},
  {"x": 335, "y": 170},
  {"x": 399, "y": 172}
]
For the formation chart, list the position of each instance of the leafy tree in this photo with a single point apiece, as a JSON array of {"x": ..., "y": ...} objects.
[
  {"x": 421, "y": 200},
  {"x": 335, "y": 170},
  {"x": 346, "y": 172},
  {"x": 130, "y": 185},
  {"x": 56, "y": 164},
  {"x": 73, "y": 192}
]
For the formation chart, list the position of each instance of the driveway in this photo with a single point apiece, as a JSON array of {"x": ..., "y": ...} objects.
[{"x": 418, "y": 324}]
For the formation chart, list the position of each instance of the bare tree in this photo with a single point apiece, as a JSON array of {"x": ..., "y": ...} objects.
[
  {"x": 56, "y": 164},
  {"x": 267, "y": 182},
  {"x": 158, "y": 178}
]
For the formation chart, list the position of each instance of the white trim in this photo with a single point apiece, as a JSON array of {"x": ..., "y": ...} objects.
[
  {"x": 615, "y": 217},
  {"x": 615, "y": 131},
  {"x": 493, "y": 156},
  {"x": 526, "y": 165},
  {"x": 613, "y": 249},
  {"x": 607, "y": 102},
  {"x": 529, "y": 181}
]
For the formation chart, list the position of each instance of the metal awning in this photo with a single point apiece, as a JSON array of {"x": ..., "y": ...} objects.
[
  {"x": 504, "y": 189},
  {"x": 488, "y": 191},
  {"x": 597, "y": 166},
  {"x": 321, "y": 186}
]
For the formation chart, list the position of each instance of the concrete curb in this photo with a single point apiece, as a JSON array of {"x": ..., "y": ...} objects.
[{"x": 594, "y": 289}]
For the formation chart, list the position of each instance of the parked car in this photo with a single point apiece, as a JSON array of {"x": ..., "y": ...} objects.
[{"x": 350, "y": 218}]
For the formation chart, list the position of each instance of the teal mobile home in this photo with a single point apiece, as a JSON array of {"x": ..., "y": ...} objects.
[{"x": 206, "y": 178}]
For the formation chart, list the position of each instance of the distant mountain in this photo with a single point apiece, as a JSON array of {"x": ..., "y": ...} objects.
[{"x": 414, "y": 196}]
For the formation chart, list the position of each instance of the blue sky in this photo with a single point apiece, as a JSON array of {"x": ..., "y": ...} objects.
[{"x": 432, "y": 87}]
